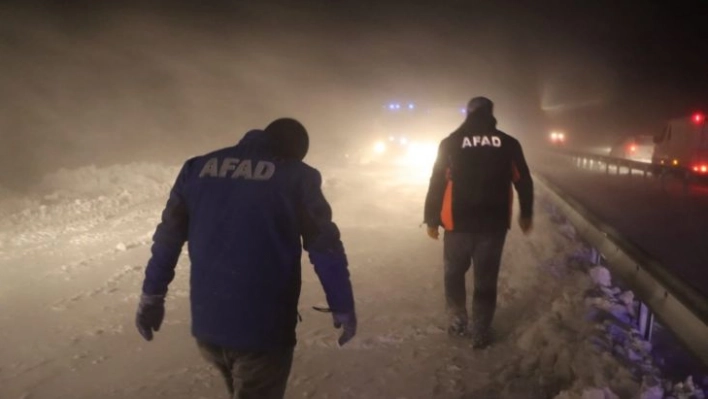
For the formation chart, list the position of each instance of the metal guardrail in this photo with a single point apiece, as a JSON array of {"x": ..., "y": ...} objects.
[
  {"x": 680, "y": 307},
  {"x": 661, "y": 171}
]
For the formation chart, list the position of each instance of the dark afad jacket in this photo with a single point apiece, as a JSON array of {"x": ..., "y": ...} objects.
[
  {"x": 471, "y": 185},
  {"x": 244, "y": 214}
]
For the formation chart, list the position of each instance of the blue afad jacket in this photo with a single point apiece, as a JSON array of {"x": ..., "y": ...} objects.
[{"x": 243, "y": 214}]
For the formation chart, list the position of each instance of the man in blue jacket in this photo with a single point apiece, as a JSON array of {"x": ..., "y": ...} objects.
[{"x": 243, "y": 211}]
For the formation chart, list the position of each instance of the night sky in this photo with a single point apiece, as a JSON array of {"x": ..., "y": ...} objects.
[{"x": 83, "y": 76}]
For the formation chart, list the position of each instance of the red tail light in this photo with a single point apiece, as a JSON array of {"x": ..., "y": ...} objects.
[
  {"x": 698, "y": 117},
  {"x": 700, "y": 168},
  {"x": 632, "y": 148}
]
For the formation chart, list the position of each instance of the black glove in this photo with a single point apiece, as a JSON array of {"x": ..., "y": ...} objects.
[
  {"x": 151, "y": 311},
  {"x": 348, "y": 323}
]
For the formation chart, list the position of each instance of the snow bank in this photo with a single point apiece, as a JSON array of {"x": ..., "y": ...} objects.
[
  {"x": 603, "y": 356},
  {"x": 64, "y": 199},
  {"x": 144, "y": 178}
]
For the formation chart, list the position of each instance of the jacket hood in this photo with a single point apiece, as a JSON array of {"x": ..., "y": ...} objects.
[{"x": 257, "y": 140}]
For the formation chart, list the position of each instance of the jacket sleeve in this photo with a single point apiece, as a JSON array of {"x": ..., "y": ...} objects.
[
  {"x": 436, "y": 189},
  {"x": 170, "y": 235},
  {"x": 522, "y": 180},
  {"x": 321, "y": 239}
]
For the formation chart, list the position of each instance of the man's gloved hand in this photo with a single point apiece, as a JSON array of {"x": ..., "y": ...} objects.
[
  {"x": 526, "y": 224},
  {"x": 348, "y": 323},
  {"x": 151, "y": 311},
  {"x": 433, "y": 232}
]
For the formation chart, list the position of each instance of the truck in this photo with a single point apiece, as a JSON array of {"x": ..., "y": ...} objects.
[{"x": 682, "y": 146}]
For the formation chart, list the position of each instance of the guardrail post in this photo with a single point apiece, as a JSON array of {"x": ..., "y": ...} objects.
[
  {"x": 646, "y": 321},
  {"x": 597, "y": 258}
]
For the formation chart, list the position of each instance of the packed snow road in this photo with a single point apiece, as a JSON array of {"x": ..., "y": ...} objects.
[{"x": 71, "y": 267}]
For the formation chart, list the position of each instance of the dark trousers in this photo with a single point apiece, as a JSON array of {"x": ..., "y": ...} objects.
[
  {"x": 251, "y": 375},
  {"x": 483, "y": 251}
]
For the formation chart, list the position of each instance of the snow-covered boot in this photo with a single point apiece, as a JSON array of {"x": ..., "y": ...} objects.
[
  {"x": 457, "y": 327},
  {"x": 481, "y": 338}
]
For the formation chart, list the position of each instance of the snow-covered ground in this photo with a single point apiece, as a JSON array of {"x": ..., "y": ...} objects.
[{"x": 71, "y": 264}]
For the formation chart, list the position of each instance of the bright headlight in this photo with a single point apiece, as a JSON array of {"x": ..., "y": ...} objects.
[
  {"x": 380, "y": 147},
  {"x": 419, "y": 159},
  {"x": 424, "y": 153}
]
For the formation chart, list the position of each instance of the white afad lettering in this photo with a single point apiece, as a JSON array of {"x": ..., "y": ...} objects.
[
  {"x": 210, "y": 168},
  {"x": 228, "y": 165},
  {"x": 264, "y": 170},
  {"x": 244, "y": 170},
  {"x": 482, "y": 141}
]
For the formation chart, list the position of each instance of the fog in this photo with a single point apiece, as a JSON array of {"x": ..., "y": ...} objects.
[
  {"x": 159, "y": 81},
  {"x": 107, "y": 85}
]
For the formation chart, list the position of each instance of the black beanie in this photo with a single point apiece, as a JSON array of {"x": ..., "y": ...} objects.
[{"x": 289, "y": 138}]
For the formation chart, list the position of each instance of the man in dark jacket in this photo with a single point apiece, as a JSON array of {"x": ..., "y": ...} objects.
[
  {"x": 243, "y": 211},
  {"x": 470, "y": 196}
]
